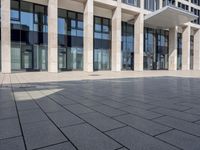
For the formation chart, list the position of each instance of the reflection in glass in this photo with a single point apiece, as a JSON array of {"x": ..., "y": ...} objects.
[
  {"x": 191, "y": 52},
  {"x": 179, "y": 51},
  {"x": 28, "y": 37},
  {"x": 156, "y": 49},
  {"x": 127, "y": 46},
  {"x": 102, "y": 44},
  {"x": 70, "y": 40}
]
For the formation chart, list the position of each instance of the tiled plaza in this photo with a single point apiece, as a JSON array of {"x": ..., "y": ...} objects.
[{"x": 117, "y": 111}]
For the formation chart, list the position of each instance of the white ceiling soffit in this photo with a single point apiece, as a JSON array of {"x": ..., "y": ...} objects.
[{"x": 168, "y": 17}]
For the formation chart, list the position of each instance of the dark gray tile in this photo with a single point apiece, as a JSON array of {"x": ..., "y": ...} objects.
[
  {"x": 9, "y": 128},
  {"x": 31, "y": 116},
  {"x": 177, "y": 114},
  {"x": 144, "y": 125},
  {"x": 101, "y": 122},
  {"x": 61, "y": 99},
  {"x": 63, "y": 146},
  {"x": 181, "y": 140},
  {"x": 135, "y": 140},
  {"x": 139, "y": 104},
  {"x": 109, "y": 111},
  {"x": 9, "y": 112},
  {"x": 180, "y": 125},
  {"x": 85, "y": 137},
  {"x": 78, "y": 109},
  {"x": 64, "y": 118},
  {"x": 42, "y": 134},
  {"x": 12, "y": 144},
  {"x": 113, "y": 104},
  {"x": 141, "y": 112},
  {"x": 48, "y": 105},
  {"x": 26, "y": 105}
]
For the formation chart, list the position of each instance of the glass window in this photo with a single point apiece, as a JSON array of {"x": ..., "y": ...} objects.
[{"x": 15, "y": 13}]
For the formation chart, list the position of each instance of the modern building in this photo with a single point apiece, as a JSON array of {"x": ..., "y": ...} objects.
[{"x": 90, "y": 35}]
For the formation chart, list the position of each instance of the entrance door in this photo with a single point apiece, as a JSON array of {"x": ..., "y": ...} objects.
[
  {"x": 62, "y": 59},
  {"x": 27, "y": 58}
]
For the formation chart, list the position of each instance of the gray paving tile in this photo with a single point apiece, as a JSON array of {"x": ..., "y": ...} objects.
[
  {"x": 64, "y": 118},
  {"x": 9, "y": 128},
  {"x": 41, "y": 134},
  {"x": 195, "y": 111},
  {"x": 78, "y": 109},
  {"x": 31, "y": 116},
  {"x": 7, "y": 104},
  {"x": 109, "y": 111},
  {"x": 101, "y": 122},
  {"x": 136, "y": 140},
  {"x": 122, "y": 149},
  {"x": 63, "y": 146},
  {"x": 85, "y": 137},
  {"x": 139, "y": 104},
  {"x": 144, "y": 125},
  {"x": 113, "y": 104},
  {"x": 89, "y": 103},
  {"x": 61, "y": 99},
  {"x": 141, "y": 112},
  {"x": 180, "y": 125},
  {"x": 48, "y": 105},
  {"x": 181, "y": 140},
  {"x": 12, "y": 144},
  {"x": 177, "y": 114},
  {"x": 26, "y": 105},
  {"x": 9, "y": 112}
]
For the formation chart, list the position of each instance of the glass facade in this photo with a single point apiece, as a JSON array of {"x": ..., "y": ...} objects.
[
  {"x": 127, "y": 46},
  {"x": 179, "y": 51},
  {"x": 151, "y": 5},
  {"x": 70, "y": 40},
  {"x": 28, "y": 36},
  {"x": 102, "y": 43},
  {"x": 156, "y": 49}
]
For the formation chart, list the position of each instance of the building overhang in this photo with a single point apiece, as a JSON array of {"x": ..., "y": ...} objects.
[{"x": 168, "y": 17}]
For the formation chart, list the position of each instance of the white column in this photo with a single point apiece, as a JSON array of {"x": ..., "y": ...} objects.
[
  {"x": 88, "y": 36},
  {"x": 139, "y": 42},
  {"x": 5, "y": 37},
  {"x": 52, "y": 36},
  {"x": 116, "y": 40},
  {"x": 186, "y": 48},
  {"x": 173, "y": 48},
  {"x": 197, "y": 50}
]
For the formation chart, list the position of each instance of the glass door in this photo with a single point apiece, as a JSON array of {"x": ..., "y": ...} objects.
[{"x": 27, "y": 58}]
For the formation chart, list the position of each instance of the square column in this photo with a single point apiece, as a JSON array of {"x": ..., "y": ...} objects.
[
  {"x": 139, "y": 42},
  {"x": 88, "y": 36},
  {"x": 5, "y": 37},
  {"x": 116, "y": 40},
  {"x": 186, "y": 48},
  {"x": 197, "y": 50},
  {"x": 52, "y": 36},
  {"x": 173, "y": 48}
]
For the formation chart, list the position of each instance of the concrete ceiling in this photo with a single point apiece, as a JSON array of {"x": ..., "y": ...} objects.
[{"x": 168, "y": 17}]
